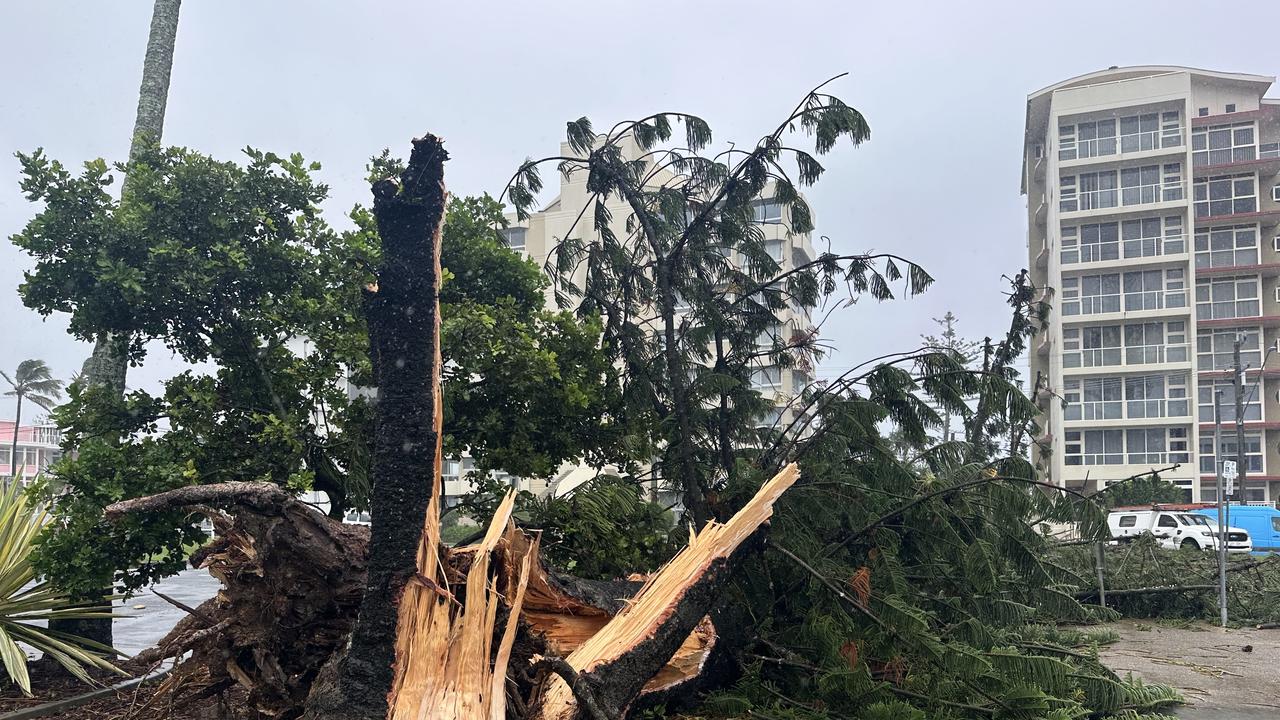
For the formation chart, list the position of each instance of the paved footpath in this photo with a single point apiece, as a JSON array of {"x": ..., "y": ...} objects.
[
  {"x": 1224, "y": 674},
  {"x": 147, "y": 618}
]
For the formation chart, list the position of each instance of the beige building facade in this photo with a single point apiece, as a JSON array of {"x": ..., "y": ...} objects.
[{"x": 1153, "y": 202}]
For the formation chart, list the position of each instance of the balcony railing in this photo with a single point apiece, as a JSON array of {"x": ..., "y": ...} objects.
[
  {"x": 1128, "y": 355},
  {"x": 1129, "y": 409},
  {"x": 1155, "y": 354},
  {"x": 1155, "y": 300},
  {"x": 1122, "y": 197},
  {"x": 1229, "y": 309},
  {"x": 1130, "y": 301},
  {"x": 1126, "y": 249},
  {"x": 1127, "y": 143}
]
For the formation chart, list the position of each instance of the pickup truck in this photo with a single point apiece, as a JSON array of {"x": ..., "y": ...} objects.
[{"x": 1174, "y": 529}]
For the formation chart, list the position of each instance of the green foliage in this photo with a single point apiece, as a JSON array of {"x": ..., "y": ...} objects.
[
  {"x": 233, "y": 266},
  {"x": 1142, "y": 563},
  {"x": 603, "y": 529},
  {"x": 1144, "y": 490},
  {"x": 27, "y": 603},
  {"x": 33, "y": 382},
  {"x": 668, "y": 250}
]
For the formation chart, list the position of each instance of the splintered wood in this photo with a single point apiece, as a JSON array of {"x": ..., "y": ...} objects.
[
  {"x": 657, "y": 602},
  {"x": 452, "y": 659}
]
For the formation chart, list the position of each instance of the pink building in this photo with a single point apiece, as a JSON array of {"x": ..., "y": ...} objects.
[{"x": 37, "y": 448}]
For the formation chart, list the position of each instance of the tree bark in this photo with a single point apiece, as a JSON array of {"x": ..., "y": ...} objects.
[
  {"x": 404, "y": 332},
  {"x": 13, "y": 448},
  {"x": 109, "y": 363}
]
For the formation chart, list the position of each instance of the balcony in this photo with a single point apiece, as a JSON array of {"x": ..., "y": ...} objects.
[
  {"x": 1088, "y": 305},
  {"x": 1131, "y": 356},
  {"x": 1045, "y": 345},
  {"x": 1133, "y": 196},
  {"x": 1263, "y": 159},
  {"x": 1130, "y": 250},
  {"x": 1265, "y": 217},
  {"x": 1147, "y": 143},
  {"x": 1263, "y": 269}
]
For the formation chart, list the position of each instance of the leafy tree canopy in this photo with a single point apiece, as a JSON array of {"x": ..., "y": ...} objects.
[{"x": 233, "y": 265}]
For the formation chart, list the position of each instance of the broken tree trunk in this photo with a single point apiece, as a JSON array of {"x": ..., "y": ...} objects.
[
  {"x": 619, "y": 660},
  {"x": 293, "y": 580},
  {"x": 403, "y": 312}
]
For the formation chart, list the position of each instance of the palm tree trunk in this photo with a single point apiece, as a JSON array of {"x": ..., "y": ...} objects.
[
  {"x": 13, "y": 451},
  {"x": 109, "y": 363}
]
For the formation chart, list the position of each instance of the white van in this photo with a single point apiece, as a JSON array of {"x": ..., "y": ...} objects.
[{"x": 1174, "y": 529}]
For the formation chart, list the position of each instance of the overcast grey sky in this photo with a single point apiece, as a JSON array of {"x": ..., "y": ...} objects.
[{"x": 943, "y": 84}]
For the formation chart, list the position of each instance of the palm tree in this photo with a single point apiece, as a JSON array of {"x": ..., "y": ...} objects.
[{"x": 31, "y": 381}]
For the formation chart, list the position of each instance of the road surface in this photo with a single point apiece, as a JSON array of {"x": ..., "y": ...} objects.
[{"x": 1224, "y": 674}]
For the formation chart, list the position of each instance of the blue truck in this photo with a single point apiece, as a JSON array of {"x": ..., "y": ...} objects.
[{"x": 1262, "y": 522}]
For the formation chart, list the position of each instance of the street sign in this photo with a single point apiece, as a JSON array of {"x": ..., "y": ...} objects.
[
  {"x": 1231, "y": 487},
  {"x": 1229, "y": 470}
]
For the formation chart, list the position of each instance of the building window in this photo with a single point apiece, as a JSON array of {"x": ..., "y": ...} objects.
[
  {"x": 1146, "y": 343},
  {"x": 767, "y": 211},
  {"x": 1215, "y": 348},
  {"x": 1229, "y": 297},
  {"x": 1094, "y": 398},
  {"x": 1087, "y": 139},
  {"x": 1100, "y": 447},
  {"x": 1101, "y": 346},
  {"x": 1091, "y": 294},
  {"x": 1154, "y": 396},
  {"x": 1226, "y": 195},
  {"x": 1095, "y": 242},
  {"x": 1089, "y": 191},
  {"x": 1154, "y": 289},
  {"x": 1203, "y": 112},
  {"x": 1149, "y": 237},
  {"x": 774, "y": 248},
  {"x": 1231, "y": 107},
  {"x": 1228, "y": 246},
  {"x": 1219, "y": 144},
  {"x": 1204, "y": 397},
  {"x": 1252, "y": 451},
  {"x": 1150, "y": 184},
  {"x": 769, "y": 376},
  {"x": 1140, "y": 132},
  {"x": 514, "y": 237}
]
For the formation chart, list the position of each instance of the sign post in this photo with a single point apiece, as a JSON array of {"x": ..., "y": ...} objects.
[{"x": 1222, "y": 469}]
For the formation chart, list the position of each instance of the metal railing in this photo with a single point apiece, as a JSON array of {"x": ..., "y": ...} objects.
[
  {"x": 1230, "y": 309},
  {"x": 1155, "y": 300},
  {"x": 1156, "y": 354},
  {"x": 1127, "y": 249},
  {"x": 1122, "y": 197},
  {"x": 1227, "y": 258},
  {"x": 1119, "y": 144}
]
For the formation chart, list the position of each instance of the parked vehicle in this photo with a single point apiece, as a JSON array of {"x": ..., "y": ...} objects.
[
  {"x": 1174, "y": 528},
  {"x": 1261, "y": 522}
]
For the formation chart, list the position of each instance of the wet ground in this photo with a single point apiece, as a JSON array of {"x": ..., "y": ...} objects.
[
  {"x": 1225, "y": 674},
  {"x": 150, "y": 617}
]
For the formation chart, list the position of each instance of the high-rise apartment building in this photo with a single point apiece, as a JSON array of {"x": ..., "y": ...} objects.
[
  {"x": 537, "y": 237},
  {"x": 1153, "y": 203}
]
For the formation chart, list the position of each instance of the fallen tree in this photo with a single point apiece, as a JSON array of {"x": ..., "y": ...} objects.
[{"x": 292, "y": 580}]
